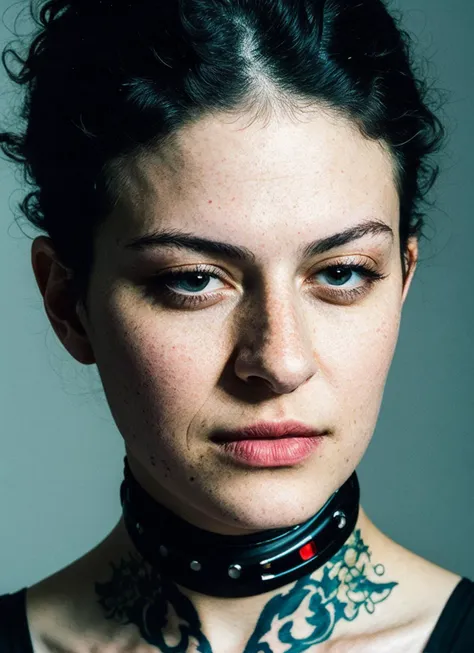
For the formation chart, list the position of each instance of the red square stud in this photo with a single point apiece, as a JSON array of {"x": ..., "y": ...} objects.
[{"x": 308, "y": 551}]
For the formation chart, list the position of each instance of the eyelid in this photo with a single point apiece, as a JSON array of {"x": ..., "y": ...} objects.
[
  {"x": 348, "y": 259},
  {"x": 204, "y": 268},
  {"x": 212, "y": 270}
]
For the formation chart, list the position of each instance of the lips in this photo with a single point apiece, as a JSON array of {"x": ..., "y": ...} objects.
[{"x": 268, "y": 431}]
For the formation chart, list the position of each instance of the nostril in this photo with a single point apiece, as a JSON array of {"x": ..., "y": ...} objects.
[{"x": 258, "y": 380}]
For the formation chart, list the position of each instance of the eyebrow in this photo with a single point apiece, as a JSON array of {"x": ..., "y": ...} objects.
[{"x": 185, "y": 240}]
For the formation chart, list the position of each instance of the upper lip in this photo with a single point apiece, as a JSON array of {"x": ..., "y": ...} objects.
[{"x": 266, "y": 430}]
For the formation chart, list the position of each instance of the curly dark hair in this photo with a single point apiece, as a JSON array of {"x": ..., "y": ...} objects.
[{"x": 108, "y": 81}]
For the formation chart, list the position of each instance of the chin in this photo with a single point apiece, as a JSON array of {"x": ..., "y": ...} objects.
[{"x": 269, "y": 504}]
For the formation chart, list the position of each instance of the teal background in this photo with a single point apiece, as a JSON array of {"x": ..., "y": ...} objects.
[{"x": 61, "y": 455}]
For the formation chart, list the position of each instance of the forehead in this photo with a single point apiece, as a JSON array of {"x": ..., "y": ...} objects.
[{"x": 225, "y": 173}]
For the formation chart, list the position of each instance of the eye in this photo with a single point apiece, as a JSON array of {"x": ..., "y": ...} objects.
[
  {"x": 193, "y": 282},
  {"x": 343, "y": 277},
  {"x": 340, "y": 275},
  {"x": 185, "y": 287}
]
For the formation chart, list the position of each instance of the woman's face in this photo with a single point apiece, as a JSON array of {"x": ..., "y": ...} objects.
[{"x": 269, "y": 337}]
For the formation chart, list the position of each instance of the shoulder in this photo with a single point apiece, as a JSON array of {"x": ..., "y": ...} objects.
[
  {"x": 420, "y": 601},
  {"x": 14, "y": 632},
  {"x": 410, "y": 619},
  {"x": 454, "y": 629}
]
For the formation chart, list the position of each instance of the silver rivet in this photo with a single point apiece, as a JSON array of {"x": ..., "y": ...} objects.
[
  {"x": 341, "y": 517},
  {"x": 195, "y": 565},
  {"x": 139, "y": 527},
  {"x": 163, "y": 551},
  {"x": 234, "y": 571}
]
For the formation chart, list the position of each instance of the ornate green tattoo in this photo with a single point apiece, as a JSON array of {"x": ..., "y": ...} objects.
[{"x": 302, "y": 616}]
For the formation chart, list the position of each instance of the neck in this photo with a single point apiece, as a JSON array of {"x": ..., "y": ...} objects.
[
  {"x": 236, "y": 566},
  {"x": 326, "y": 602}
]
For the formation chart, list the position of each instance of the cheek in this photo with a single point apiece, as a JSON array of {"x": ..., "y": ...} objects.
[
  {"x": 359, "y": 355},
  {"x": 357, "y": 344},
  {"x": 156, "y": 371},
  {"x": 362, "y": 355},
  {"x": 174, "y": 363}
]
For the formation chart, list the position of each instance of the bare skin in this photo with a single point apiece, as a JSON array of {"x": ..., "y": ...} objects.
[{"x": 271, "y": 336}]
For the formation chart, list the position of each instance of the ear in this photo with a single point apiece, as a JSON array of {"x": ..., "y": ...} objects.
[
  {"x": 411, "y": 260},
  {"x": 60, "y": 302}
]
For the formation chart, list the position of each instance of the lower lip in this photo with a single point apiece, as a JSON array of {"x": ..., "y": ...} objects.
[{"x": 271, "y": 453}]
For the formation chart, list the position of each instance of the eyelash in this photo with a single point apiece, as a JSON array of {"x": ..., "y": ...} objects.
[{"x": 161, "y": 288}]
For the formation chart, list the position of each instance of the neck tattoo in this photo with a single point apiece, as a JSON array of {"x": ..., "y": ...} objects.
[{"x": 346, "y": 586}]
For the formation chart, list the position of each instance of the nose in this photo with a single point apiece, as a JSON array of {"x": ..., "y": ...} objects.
[{"x": 275, "y": 347}]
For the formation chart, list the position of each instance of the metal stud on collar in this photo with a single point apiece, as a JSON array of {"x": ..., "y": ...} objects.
[
  {"x": 339, "y": 515},
  {"x": 234, "y": 571}
]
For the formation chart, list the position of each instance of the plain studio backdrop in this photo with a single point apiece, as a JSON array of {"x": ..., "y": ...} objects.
[{"x": 61, "y": 455}]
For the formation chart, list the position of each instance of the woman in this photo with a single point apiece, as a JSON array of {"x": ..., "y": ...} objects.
[{"x": 231, "y": 193}]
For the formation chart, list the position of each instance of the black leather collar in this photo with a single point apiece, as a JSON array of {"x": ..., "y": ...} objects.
[{"x": 242, "y": 565}]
